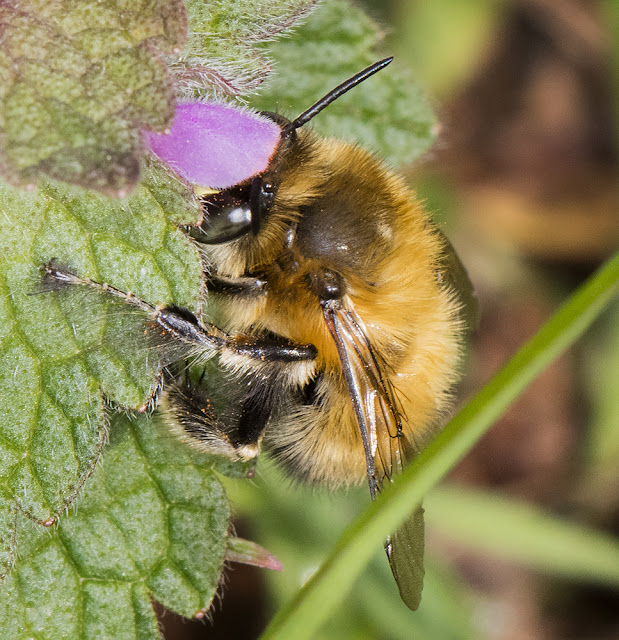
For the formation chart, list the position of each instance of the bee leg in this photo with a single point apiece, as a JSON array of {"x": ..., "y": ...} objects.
[
  {"x": 268, "y": 349},
  {"x": 180, "y": 325},
  {"x": 245, "y": 287},
  {"x": 262, "y": 367},
  {"x": 232, "y": 427},
  {"x": 234, "y": 350},
  {"x": 258, "y": 407},
  {"x": 190, "y": 411}
]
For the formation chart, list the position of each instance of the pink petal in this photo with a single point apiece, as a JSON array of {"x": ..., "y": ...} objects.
[
  {"x": 248, "y": 552},
  {"x": 216, "y": 145}
]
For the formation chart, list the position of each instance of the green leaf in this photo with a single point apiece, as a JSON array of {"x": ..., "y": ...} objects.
[
  {"x": 78, "y": 79},
  {"x": 328, "y": 586},
  {"x": 389, "y": 113},
  {"x": 220, "y": 57},
  {"x": 8, "y": 531},
  {"x": 58, "y": 354},
  {"x": 152, "y": 524},
  {"x": 495, "y": 524}
]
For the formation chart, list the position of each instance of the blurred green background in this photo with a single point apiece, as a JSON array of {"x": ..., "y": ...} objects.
[{"x": 523, "y": 179}]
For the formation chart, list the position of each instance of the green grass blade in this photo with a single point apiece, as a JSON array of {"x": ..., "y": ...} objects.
[{"x": 329, "y": 585}]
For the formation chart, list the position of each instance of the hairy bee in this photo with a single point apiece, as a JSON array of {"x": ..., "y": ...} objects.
[{"x": 336, "y": 313}]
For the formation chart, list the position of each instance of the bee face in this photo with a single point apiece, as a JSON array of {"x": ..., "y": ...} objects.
[{"x": 325, "y": 201}]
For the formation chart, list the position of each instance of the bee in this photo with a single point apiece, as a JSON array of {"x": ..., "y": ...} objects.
[{"x": 337, "y": 309}]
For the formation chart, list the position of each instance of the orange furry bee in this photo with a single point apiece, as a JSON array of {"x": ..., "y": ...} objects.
[{"x": 338, "y": 315}]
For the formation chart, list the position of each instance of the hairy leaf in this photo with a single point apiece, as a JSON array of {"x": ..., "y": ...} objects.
[
  {"x": 56, "y": 353},
  {"x": 389, "y": 113},
  {"x": 152, "y": 524},
  {"x": 220, "y": 57},
  {"x": 78, "y": 80}
]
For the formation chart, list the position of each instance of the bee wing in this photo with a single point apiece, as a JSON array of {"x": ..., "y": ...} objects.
[
  {"x": 405, "y": 549},
  {"x": 386, "y": 449},
  {"x": 454, "y": 274}
]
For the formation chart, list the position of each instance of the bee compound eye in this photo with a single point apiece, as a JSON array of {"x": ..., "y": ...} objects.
[{"x": 227, "y": 216}]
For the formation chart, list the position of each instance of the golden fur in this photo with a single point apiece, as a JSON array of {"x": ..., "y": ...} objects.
[{"x": 392, "y": 281}]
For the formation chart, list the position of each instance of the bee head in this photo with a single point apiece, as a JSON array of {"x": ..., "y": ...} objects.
[{"x": 243, "y": 209}]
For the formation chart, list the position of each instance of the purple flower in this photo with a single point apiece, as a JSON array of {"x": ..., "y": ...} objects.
[{"x": 216, "y": 145}]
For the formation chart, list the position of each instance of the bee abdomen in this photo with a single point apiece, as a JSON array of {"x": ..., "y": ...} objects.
[{"x": 315, "y": 437}]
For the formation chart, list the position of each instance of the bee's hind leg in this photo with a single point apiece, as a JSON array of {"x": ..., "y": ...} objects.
[
  {"x": 199, "y": 418},
  {"x": 222, "y": 414}
]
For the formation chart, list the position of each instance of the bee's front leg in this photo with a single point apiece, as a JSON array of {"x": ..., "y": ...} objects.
[
  {"x": 181, "y": 327},
  {"x": 238, "y": 302},
  {"x": 243, "y": 287}
]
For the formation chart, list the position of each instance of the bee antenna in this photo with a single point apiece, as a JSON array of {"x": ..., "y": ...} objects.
[{"x": 334, "y": 94}]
